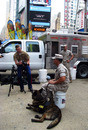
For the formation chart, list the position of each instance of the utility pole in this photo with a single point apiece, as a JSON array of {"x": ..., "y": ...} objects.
[
  {"x": 28, "y": 2},
  {"x": 85, "y": 16}
]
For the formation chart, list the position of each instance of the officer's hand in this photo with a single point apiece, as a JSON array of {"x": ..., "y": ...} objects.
[
  {"x": 20, "y": 62},
  {"x": 68, "y": 61},
  {"x": 51, "y": 81}
]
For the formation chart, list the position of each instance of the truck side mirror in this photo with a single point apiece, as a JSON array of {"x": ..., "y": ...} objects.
[{"x": 2, "y": 50}]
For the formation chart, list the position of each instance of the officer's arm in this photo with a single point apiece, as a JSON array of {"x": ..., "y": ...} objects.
[
  {"x": 60, "y": 80},
  {"x": 72, "y": 57},
  {"x": 28, "y": 62},
  {"x": 18, "y": 63}
]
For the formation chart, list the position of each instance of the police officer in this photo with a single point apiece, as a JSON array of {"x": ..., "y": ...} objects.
[
  {"x": 19, "y": 57},
  {"x": 61, "y": 80},
  {"x": 67, "y": 57}
]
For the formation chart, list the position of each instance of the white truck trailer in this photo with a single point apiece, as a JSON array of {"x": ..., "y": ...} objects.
[{"x": 77, "y": 43}]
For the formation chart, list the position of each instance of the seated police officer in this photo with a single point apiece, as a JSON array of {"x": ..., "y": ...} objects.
[
  {"x": 19, "y": 57},
  {"x": 61, "y": 80}
]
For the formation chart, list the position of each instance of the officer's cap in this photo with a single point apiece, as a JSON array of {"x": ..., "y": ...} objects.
[{"x": 57, "y": 56}]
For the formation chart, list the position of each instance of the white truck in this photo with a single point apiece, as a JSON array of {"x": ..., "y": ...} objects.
[
  {"x": 77, "y": 43},
  {"x": 42, "y": 50},
  {"x": 34, "y": 48}
]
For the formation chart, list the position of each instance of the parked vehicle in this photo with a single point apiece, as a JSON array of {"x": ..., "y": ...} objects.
[
  {"x": 34, "y": 48},
  {"x": 77, "y": 43}
]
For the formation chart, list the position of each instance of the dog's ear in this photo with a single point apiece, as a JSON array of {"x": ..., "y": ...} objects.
[
  {"x": 35, "y": 92},
  {"x": 41, "y": 90}
]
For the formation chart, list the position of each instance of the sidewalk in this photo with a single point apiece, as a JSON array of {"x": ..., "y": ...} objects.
[{"x": 15, "y": 116}]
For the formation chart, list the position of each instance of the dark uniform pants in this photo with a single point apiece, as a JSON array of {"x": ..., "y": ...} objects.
[{"x": 28, "y": 71}]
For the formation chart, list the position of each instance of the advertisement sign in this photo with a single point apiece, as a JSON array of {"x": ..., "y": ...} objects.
[
  {"x": 18, "y": 28},
  {"x": 38, "y": 29},
  {"x": 36, "y": 16},
  {"x": 30, "y": 30},
  {"x": 43, "y": 2},
  {"x": 40, "y": 15},
  {"x": 23, "y": 32},
  {"x": 40, "y": 8},
  {"x": 11, "y": 31}
]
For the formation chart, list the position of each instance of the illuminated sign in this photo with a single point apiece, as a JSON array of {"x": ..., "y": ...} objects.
[
  {"x": 40, "y": 15},
  {"x": 40, "y": 8},
  {"x": 42, "y": 2},
  {"x": 39, "y": 29}
]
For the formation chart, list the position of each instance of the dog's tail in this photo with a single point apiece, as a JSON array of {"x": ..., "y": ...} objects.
[{"x": 55, "y": 122}]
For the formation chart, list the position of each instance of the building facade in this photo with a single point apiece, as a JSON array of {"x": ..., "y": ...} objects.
[
  {"x": 70, "y": 7},
  {"x": 57, "y": 22},
  {"x": 80, "y": 15}
]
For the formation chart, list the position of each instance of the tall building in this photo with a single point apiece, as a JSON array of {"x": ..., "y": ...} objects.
[
  {"x": 12, "y": 10},
  {"x": 57, "y": 22},
  {"x": 70, "y": 7},
  {"x": 80, "y": 15}
]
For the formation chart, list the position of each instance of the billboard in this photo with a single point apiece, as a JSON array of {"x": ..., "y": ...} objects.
[
  {"x": 42, "y": 2},
  {"x": 40, "y": 16},
  {"x": 11, "y": 30},
  {"x": 38, "y": 29}
]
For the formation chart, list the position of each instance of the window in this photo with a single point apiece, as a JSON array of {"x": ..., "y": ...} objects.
[
  {"x": 74, "y": 49},
  {"x": 10, "y": 47},
  {"x": 32, "y": 46},
  {"x": 61, "y": 48},
  {"x": 84, "y": 49}
]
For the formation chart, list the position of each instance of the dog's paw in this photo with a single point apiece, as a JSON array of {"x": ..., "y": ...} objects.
[
  {"x": 37, "y": 116},
  {"x": 28, "y": 104},
  {"x": 32, "y": 120},
  {"x": 28, "y": 107}
]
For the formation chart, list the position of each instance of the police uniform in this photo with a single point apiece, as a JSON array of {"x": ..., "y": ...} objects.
[
  {"x": 60, "y": 72},
  {"x": 66, "y": 56}
]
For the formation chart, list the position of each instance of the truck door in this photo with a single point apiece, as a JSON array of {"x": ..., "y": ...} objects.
[
  {"x": 54, "y": 48},
  {"x": 36, "y": 53},
  {"x": 7, "y": 61}
]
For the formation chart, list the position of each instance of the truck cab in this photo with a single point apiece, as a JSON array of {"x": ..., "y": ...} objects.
[{"x": 34, "y": 48}]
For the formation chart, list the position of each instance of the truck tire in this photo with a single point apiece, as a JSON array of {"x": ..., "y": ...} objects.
[{"x": 82, "y": 71}]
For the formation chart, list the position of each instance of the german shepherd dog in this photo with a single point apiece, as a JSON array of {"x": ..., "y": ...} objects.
[{"x": 48, "y": 108}]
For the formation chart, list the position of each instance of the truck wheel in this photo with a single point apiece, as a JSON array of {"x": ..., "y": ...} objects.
[{"x": 82, "y": 71}]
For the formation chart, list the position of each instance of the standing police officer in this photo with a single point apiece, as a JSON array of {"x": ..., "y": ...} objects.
[
  {"x": 19, "y": 57},
  {"x": 67, "y": 57}
]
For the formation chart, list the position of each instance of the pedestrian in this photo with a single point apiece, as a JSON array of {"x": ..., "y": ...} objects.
[
  {"x": 20, "y": 57},
  {"x": 61, "y": 80},
  {"x": 67, "y": 57}
]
